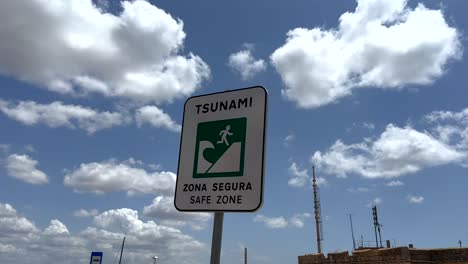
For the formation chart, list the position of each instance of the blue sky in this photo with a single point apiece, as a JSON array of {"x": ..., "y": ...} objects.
[{"x": 371, "y": 92}]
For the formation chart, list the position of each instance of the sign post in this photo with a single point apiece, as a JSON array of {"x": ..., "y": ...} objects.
[{"x": 222, "y": 155}]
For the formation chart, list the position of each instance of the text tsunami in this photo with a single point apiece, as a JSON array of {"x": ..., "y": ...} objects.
[{"x": 224, "y": 105}]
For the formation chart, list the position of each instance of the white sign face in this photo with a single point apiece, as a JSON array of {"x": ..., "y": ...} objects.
[{"x": 221, "y": 159}]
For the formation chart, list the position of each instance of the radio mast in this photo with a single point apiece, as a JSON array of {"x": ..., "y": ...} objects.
[{"x": 318, "y": 216}]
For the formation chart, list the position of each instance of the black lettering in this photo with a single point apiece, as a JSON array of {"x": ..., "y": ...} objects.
[
  {"x": 200, "y": 199},
  {"x": 215, "y": 186},
  {"x": 223, "y": 106},
  {"x": 198, "y": 109},
  {"x": 250, "y": 101},
  {"x": 215, "y": 108},
  {"x": 248, "y": 187},
  {"x": 205, "y": 108},
  {"x": 194, "y": 187},
  {"x": 232, "y": 105},
  {"x": 229, "y": 199},
  {"x": 242, "y": 102}
]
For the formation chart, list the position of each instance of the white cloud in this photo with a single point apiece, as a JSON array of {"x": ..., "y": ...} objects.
[
  {"x": 451, "y": 127},
  {"x": 57, "y": 114},
  {"x": 156, "y": 117},
  {"x": 297, "y": 177},
  {"x": 395, "y": 183},
  {"x": 83, "y": 213},
  {"x": 7, "y": 248},
  {"x": 23, "y": 167},
  {"x": 398, "y": 151},
  {"x": 301, "y": 178},
  {"x": 6, "y": 210},
  {"x": 375, "y": 201},
  {"x": 358, "y": 190},
  {"x": 163, "y": 209},
  {"x": 21, "y": 239},
  {"x": 56, "y": 228},
  {"x": 272, "y": 222},
  {"x": 415, "y": 199},
  {"x": 383, "y": 44},
  {"x": 111, "y": 176},
  {"x": 298, "y": 220},
  {"x": 369, "y": 126},
  {"x": 11, "y": 223},
  {"x": 147, "y": 238},
  {"x": 289, "y": 139},
  {"x": 281, "y": 222},
  {"x": 245, "y": 64},
  {"x": 135, "y": 54}
]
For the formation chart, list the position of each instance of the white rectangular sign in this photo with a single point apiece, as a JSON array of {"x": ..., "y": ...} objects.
[{"x": 221, "y": 158}]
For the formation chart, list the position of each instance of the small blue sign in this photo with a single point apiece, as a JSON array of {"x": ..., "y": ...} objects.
[{"x": 96, "y": 258}]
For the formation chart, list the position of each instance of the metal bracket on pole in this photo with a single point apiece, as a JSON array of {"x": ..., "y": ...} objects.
[{"x": 217, "y": 237}]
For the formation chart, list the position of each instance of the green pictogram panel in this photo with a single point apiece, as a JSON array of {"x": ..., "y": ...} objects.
[{"x": 220, "y": 147}]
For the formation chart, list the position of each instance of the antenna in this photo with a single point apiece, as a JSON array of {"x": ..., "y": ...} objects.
[
  {"x": 377, "y": 226},
  {"x": 352, "y": 231},
  {"x": 245, "y": 255},
  {"x": 318, "y": 217}
]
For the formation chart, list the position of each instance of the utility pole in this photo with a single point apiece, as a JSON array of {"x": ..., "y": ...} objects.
[
  {"x": 245, "y": 255},
  {"x": 318, "y": 220},
  {"x": 377, "y": 226},
  {"x": 352, "y": 231},
  {"x": 121, "y": 251},
  {"x": 460, "y": 243}
]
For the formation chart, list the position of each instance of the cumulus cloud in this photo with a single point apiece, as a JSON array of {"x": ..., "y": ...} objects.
[
  {"x": 281, "y": 222},
  {"x": 375, "y": 201},
  {"x": 11, "y": 223},
  {"x": 415, "y": 199},
  {"x": 300, "y": 177},
  {"x": 21, "y": 239},
  {"x": 112, "y": 176},
  {"x": 24, "y": 168},
  {"x": 398, "y": 151},
  {"x": 162, "y": 208},
  {"x": 245, "y": 64},
  {"x": 145, "y": 238},
  {"x": 382, "y": 44},
  {"x": 57, "y": 114},
  {"x": 272, "y": 222},
  {"x": 298, "y": 220},
  {"x": 451, "y": 127},
  {"x": 395, "y": 183},
  {"x": 154, "y": 116},
  {"x": 74, "y": 47},
  {"x": 83, "y": 213}
]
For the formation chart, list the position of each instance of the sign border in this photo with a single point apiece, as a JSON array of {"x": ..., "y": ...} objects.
[
  {"x": 96, "y": 253},
  {"x": 263, "y": 152}
]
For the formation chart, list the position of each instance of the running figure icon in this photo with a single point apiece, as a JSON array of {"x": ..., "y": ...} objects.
[{"x": 224, "y": 133}]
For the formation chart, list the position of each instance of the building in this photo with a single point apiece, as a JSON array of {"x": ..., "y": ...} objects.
[{"x": 397, "y": 255}]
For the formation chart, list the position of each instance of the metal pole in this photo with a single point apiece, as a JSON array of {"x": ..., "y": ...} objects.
[
  {"x": 217, "y": 237},
  {"x": 380, "y": 235},
  {"x": 352, "y": 231},
  {"x": 121, "y": 251},
  {"x": 376, "y": 223},
  {"x": 245, "y": 255},
  {"x": 317, "y": 212}
]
